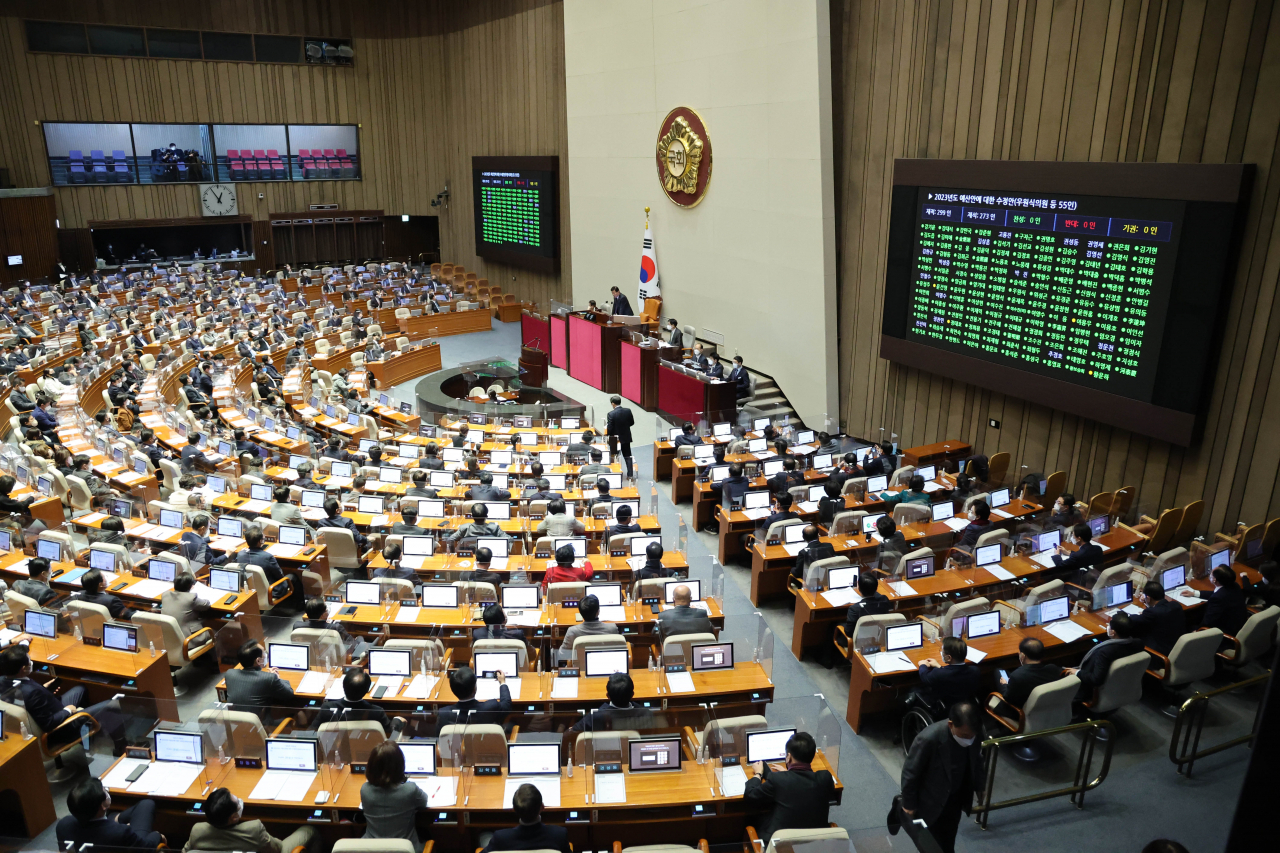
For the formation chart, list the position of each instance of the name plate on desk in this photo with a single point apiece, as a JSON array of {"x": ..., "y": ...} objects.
[
  {"x": 488, "y": 769},
  {"x": 675, "y": 667},
  {"x": 568, "y": 672},
  {"x": 246, "y": 763}
]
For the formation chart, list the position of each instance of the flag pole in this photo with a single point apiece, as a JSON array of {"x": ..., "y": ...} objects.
[{"x": 646, "y": 217}]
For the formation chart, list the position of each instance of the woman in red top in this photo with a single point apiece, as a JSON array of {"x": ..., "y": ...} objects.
[{"x": 564, "y": 570}]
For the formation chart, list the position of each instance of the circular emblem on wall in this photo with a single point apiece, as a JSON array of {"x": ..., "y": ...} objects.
[{"x": 684, "y": 157}]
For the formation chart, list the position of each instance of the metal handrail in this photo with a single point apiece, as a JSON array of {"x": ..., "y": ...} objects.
[
  {"x": 1084, "y": 763},
  {"x": 1191, "y": 717}
]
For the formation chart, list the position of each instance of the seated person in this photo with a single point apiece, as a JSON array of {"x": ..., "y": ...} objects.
[
  {"x": 1065, "y": 513},
  {"x": 531, "y": 833},
  {"x": 195, "y": 544},
  {"x": 335, "y": 518},
  {"x": 559, "y": 521},
  {"x": 88, "y": 824},
  {"x": 782, "y": 482},
  {"x": 891, "y": 538},
  {"x": 419, "y": 487},
  {"x": 284, "y": 512},
  {"x": 317, "y": 616},
  {"x": 50, "y": 710},
  {"x": 620, "y": 713},
  {"x": 7, "y": 503},
  {"x": 590, "y": 626},
  {"x": 36, "y": 585},
  {"x": 1162, "y": 622},
  {"x": 687, "y": 436},
  {"x": 814, "y": 550},
  {"x": 1084, "y": 557},
  {"x": 979, "y": 523},
  {"x": 485, "y": 490},
  {"x": 227, "y": 829},
  {"x": 588, "y": 472},
  {"x": 1226, "y": 608},
  {"x": 682, "y": 617},
  {"x": 1096, "y": 665},
  {"x": 582, "y": 447},
  {"x": 389, "y": 800},
  {"x": 408, "y": 525},
  {"x": 783, "y": 512},
  {"x": 794, "y": 798},
  {"x": 479, "y": 526},
  {"x": 251, "y": 688},
  {"x": 913, "y": 494},
  {"x": 603, "y": 495},
  {"x": 952, "y": 679},
  {"x": 495, "y": 625},
  {"x": 830, "y": 504},
  {"x": 353, "y": 706},
  {"x": 621, "y": 526},
  {"x": 1031, "y": 673},
  {"x": 462, "y": 681},
  {"x": 1266, "y": 590},
  {"x": 734, "y": 486},
  {"x": 91, "y": 592},
  {"x": 873, "y": 603},
  {"x": 565, "y": 570},
  {"x": 653, "y": 567}
]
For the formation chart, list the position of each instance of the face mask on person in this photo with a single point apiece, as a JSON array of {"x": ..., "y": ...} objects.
[{"x": 965, "y": 742}]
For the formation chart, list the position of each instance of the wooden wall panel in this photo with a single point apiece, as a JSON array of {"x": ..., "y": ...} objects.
[
  {"x": 27, "y": 229},
  {"x": 1132, "y": 80},
  {"x": 435, "y": 83}
]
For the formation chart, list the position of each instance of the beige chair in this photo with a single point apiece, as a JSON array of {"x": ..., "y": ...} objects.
[
  {"x": 269, "y": 594},
  {"x": 242, "y": 731},
  {"x": 942, "y": 627},
  {"x": 595, "y": 747},
  {"x": 571, "y": 590},
  {"x": 430, "y": 652},
  {"x": 1254, "y": 639},
  {"x": 787, "y": 840},
  {"x": 64, "y": 540},
  {"x": 518, "y": 646},
  {"x": 180, "y": 648},
  {"x": 910, "y": 514},
  {"x": 854, "y": 484},
  {"x": 92, "y": 616},
  {"x": 340, "y": 545},
  {"x": 868, "y": 626},
  {"x": 468, "y": 745},
  {"x": 848, "y": 522},
  {"x": 597, "y": 641},
  {"x": 1048, "y": 707},
  {"x": 902, "y": 476},
  {"x": 124, "y": 560},
  {"x": 679, "y": 644},
  {"x": 479, "y": 592},
  {"x": 727, "y": 736},
  {"x": 326, "y": 644},
  {"x": 1034, "y": 596},
  {"x": 403, "y": 589},
  {"x": 18, "y": 605},
  {"x": 1191, "y": 659},
  {"x": 54, "y": 742},
  {"x": 375, "y": 845},
  {"x": 775, "y": 529},
  {"x": 652, "y": 588},
  {"x": 1123, "y": 685}
]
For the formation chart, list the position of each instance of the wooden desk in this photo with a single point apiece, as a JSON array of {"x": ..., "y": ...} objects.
[
  {"x": 508, "y": 312},
  {"x": 452, "y": 323},
  {"x": 593, "y": 350},
  {"x": 682, "y": 397},
  {"x": 936, "y": 453},
  {"x": 639, "y": 374},
  {"x": 106, "y": 672},
  {"x": 400, "y": 367},
  {"x": 664, "y": 454},
  {"x": 26, "y": 803}
]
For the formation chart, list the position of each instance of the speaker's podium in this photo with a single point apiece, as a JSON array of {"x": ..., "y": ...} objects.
[
  {"x": 586, "y": 344},
  {"x": 533, "y": 367}
]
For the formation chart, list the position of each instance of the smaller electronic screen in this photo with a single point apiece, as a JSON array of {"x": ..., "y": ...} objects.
[
  {"x": 290, "y": 754},
  {"x": 900, "y": 637},
  {"x": 390, "y": 662},
  {"x": 605, "y": 662},
  {"x": 768, "y": 746},
  {"x": 654, "y": 755},
  {"x": 289, "y": 656},
  {"x": 710, "y": 656}
]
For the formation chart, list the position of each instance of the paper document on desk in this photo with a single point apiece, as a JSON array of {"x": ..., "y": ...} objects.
[
  {"x": 1002, "y": 574},
  {"x": 208, "y": 593},
  {"x": 381, "y": 520},
  {"x": 934, "y": 486},
  {"x": 548, "y": 786},
  {"x": 763, "y": 455},
  {"x": 1186, "y": 596},
  {"x": 166, "y": 779},
  {"x": 282, "y": 785},
  {"x": 413, "y": 561},
  {"x": 91, "y": 518},
  {"x": 757, "y": 513},
  {"x": 336, "y": 690},
  {"x": 902, "y": 588},
  {"x": 886, "y": 662},
  {"x": 611, "y": 788},
  {"x": 392, "y": 683},
  {"x": 636, "y": 563},
  {"x": 842, "y": 597},
  {"x": 285, "y": 551},
  {"x": 20, "y": 567},
  {"x": 973, "y": 655},
  {"x": 314, "y": 681},
  {"x": 441, "y": 791},
  {"x": 147, "y": 530},
  {"x": 116, "y": 777},
  {"x": 149, "y": 588},
  {"x": 420, "y": 687},
  {"x": 957, "y": 523},
  {"x": 337, "y": 483},
  {"x": 1067, "y": 631},
  {"x": 1132, "y": 610},
  {"x": 408, "y": 614},
  {"x": 488, "y": 688},
  {"x": 999, "y": 513},
  {"x": 807, "y": 506},
  {"x": 1045, "y": 558},
  {"x": 794, "y": 548},
  {"x": 564, "y": 688},
  {"x": 613, "y": 613},
  {"x": 680, "y": 682},
  {"x": 733, "y": 781},
  {"x": 7, "y": 636},
  {"x": 525, "y": 618},
  {"x": 311, "y": 513}
]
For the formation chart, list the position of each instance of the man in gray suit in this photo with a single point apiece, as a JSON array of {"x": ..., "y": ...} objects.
[
  {"x": 184, "y": 605},
  {"x": 251, "y": 688},
  {"x": 677, "y": 337},
  {"x": 227, "y": 829},
  {"x": 590, "y": 626},
  {"x": 597, "y": 466},
  {"x": 942, "y": 772},
  {"x": 36, "y": 586},
  {"x": 284, "y": 512},
  {"x": 682, "y": 618}
]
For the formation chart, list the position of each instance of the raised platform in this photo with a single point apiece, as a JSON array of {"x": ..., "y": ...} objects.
[{"x": 445, "y": 392}]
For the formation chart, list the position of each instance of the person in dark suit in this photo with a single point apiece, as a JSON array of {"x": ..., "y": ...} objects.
[
  {"x": 1226, "y": 608},
  {"x": 734, "y": 486},
  {"x": 531, "y": 833},
  {"x": 256, "y": 555},
  {"x": 950, "y": 680},
  {"x": 195, "y": 546},
  {"x": 979, "y": 523},
  {"x": 783, "y": 512},
  {"x": 1030, "y": 674},
  {"x": 618, "y": 424},
  {"x": 317, "y": 616},
  {"x": 353, "y": 705},
  {"x": 714, "y": 367},
  {"x": 794, "y": 798},
  {"x": 1096, "y": 665},
  {"x": 621, "y": 305},
  {"x": 335, "y": 518},
  {"x": 462, "y": 681},
  {"x": 740, "y": 377},
  {"x": 880, "y": 461},
  {"x": 814, "y": 550},
  {"x": 91, "y": 593},
  {"x": 193, "y": 458},
  {"x": 653, "y": 567},
  {"x": 830, "y": 503},
  {"x": 1085, "y": 557},
  {"x": 681, "y": 617},
  {"x": 1162, "y": 622},
  {"x": 1267, "y": 589},
  {"x": 942, "y": 773},
  {"x": 891, "y": 538},
  {"x": 495, "y": 621},
  {"x": 620, "y": 713},
  {"x": 781, "y": 482},
  {"x": 50, "y": 710},
  {"x": 252, "y": 688},
  {"x": 393, "y": 569},
  {"x": 88, "y": 822},
  {"x": 486, "y": 491},
  {"x": 873, "y": 603},
  {"x": 676, "y": 337},
  {"x": 621, "y": 526},
  {"x": 687, "y": 436}
]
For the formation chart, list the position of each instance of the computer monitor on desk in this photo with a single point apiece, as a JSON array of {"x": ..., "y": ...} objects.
[
  {"x": 904, "y": 637},
  {"x": 533, "y": 759},
  {"x": 292, "y": 754}
]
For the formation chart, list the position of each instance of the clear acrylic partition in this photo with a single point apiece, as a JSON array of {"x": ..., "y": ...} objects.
[{"x": 814, "y": 715}]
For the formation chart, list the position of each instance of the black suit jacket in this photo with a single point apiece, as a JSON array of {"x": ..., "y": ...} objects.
[
  {"x": 42, "y": 704},
  {"x": 1097, "y": 662},
  {"x": 619, "y": 422},
  {"x": 1160, "y": 625},
  {"x": 536, "y": 837},
  {"x": 1226, "y": 610},
  {"x": 871, "y": 605},
  {"x": 1086, "y": 557},
  {"x": 951, "y": 684},
  {"x": 1026, "y": 678},
  {"x": 794, "y": 799},
  {"x": 473, "y": 711},
  {"x": 812, "y": 553},
  {"x": 361, "y": 709},
  {"x": 716, "y": 371},
  {"x": 927, "y": 773},
  {"x": 622, "y": 306},
  {"x": 106, "y": 832}
]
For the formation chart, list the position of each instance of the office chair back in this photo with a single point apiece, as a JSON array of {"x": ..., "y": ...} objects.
[
  {"x": 679, "y": 644},
  {"x": 1162, "y": 538},
  {"x": 728, "y": 736},
  {"x": 1191, "y": 658},
  {"x": 961, "y": 608},
  {"x": 998, "y": 468},
  {"x": 597, "y": 641},
  {"x": 518, "y": 646},
  {"x": 467, "y": 745},
  {"x": 1123, "y": 684},
  {"x": 572, "y": 590},
  {"x": 902, "y": 476},
  {"x": 1049, "y": 705},
  {"x": 910, "y": 514},
  {"x": 1056, "y": 484},
  {"x": 1255, "y": 638},
  {"x": 1191, "y": 514},
  {"x": 325, "y": 643}
]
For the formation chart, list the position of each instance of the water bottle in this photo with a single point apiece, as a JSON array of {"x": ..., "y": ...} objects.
[
  {"x": 22, "y": 730},
  {"x": 152, "y": 646},
  {"x": 84, "y": 736},
  {"x": 79, "y": 635},
  {"x": 222, "y": 755}
]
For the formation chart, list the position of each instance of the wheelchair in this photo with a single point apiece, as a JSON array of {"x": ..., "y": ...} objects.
[{"x": 922, "y": 712}]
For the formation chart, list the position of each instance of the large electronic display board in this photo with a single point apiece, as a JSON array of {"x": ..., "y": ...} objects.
[{"x": 517, "y": 210}]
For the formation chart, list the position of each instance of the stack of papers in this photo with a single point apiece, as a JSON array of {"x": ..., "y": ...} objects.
[
  {"x": 150, "y": 588},
  {"x": 413, "y": 561},
  {"x": 1045, "y": 558},
  {"x": 286, "y": 785},
  {"x": 313, "y": 681},
  {"x": 420, "y": 687},
  {"x": 999, "y": 513},
  {"x": 527, "y": 618},
  {"x": 408, "y": 614},
  {"x": 564, "y": 688},
  {"x": 902, "y": 588},
  {"x": 933, "y": 486},
  {"x": 91, "y": 518},
  {"x": 336, "y": 690},
  {"x": 392, "y": 683},
  {"x": 1186, "y": 596},
  {"x": 841, "y": 597},
  {"x": 613, "y": 613},
  {"x": 116, "y": 777},
  {"x": 885, "y": 662},
  {"x": 757, "y": 513},
  {"x": 733, "y": 781},
  {"x": 612, "y": 787},
  {"x": 488, "y": 688},
  {"x": 208, "y": 593},
  {"x": 143, "y": 530},
  {"x": 284, "y": 550},
  {"x": 973, "y": 655},
  {"x": 1131, "y": 609},
  {"x": 441, "y": 790},
  {"x": 379, "y": 520},
  {"x": 1067, "y": 631},
  {"x": 794, "y": 548},
  {"x": 1002, "y": 574},
  {"x": 498, "y": 564},
  {"x": 549, "y": 786},
  {"x": 20, "y": 567},
  {"x": 7, "y": 635},
  {"x": 680, "y": 682},
  {"x": 636, "y": 563},
  {"x": 957, "y": 523}
]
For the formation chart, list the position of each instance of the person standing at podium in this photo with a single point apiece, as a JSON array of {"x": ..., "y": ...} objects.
[
  {"x": 618, "y": 425},
  {"x": 621, "y": 307}
]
